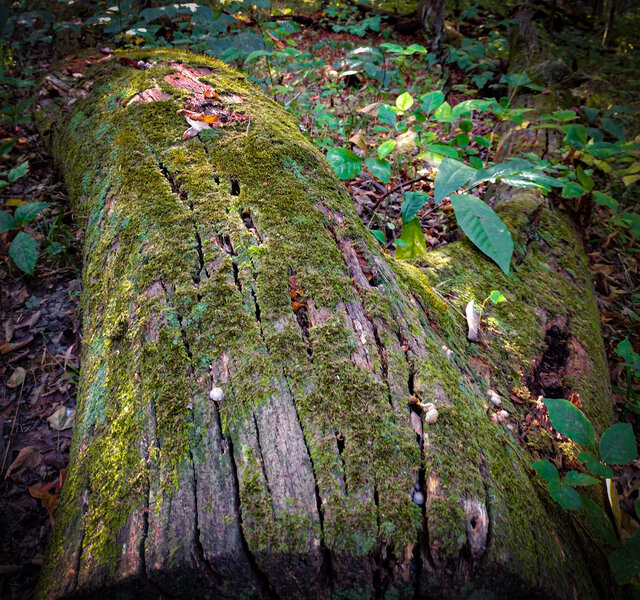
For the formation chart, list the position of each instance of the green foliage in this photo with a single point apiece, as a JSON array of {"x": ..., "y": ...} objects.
[
  {"x": 617, "y": 446},
  {"x": 24, "y": 248}
]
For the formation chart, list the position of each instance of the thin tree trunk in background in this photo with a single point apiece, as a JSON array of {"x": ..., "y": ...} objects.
[
  {"x": 606, "y": 36},
  {"x": 433, "y": 12}
]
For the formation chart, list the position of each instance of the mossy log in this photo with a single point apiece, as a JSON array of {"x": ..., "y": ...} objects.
[{"x": 253, "y": 366}]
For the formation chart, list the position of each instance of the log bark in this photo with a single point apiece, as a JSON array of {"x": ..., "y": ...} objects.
[{"x": 253, "y": 368}]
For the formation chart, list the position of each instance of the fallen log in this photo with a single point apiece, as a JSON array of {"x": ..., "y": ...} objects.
[{"x": 256, "y": 370}]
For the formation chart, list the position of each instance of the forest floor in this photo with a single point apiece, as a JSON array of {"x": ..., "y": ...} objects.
[{"x": 40, "y": 333}]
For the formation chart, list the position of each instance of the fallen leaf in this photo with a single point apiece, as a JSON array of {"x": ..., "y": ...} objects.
[
  {"x": 209, "y": 93},
  {"x": 358, "y": 140},
  {"x": 62, "y": 418},
  {"x": 8, "y": 347},
  {"x": 40, "y": 491},
  {"x": 17, "y": 378},
  {"x": 28, "y": 458}
]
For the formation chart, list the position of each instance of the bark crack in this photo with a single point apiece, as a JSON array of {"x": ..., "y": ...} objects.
[
  {"x": 175, "y": 188},
  {"x": 265, "y": 585}
]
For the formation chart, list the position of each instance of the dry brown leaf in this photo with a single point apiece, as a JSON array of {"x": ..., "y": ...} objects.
[
  {"x": 62, "y": 418},
  {"x": 8, "y": 347},
  {"x": 40, "y": 491},
  {"x": 17, "y": 378},
  {"x": 28, "y": 458}
]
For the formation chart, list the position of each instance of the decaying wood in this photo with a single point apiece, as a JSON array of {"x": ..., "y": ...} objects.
[{"x": 270, "y": 406}]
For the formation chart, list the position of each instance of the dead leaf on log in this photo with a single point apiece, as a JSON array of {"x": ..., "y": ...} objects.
[{"x": 28, "y": 458}]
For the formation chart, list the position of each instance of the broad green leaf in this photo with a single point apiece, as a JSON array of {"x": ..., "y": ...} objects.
[
  {"x": 461, "y": 140},
  {"x": 496, "y": 296},
  {"x": 345, "y": 164},
  {"x": 19, "y": 171},
  {"x": 413, "y": 49},
  {"x": 465, "y": 126},
  {"x": 532, "y": 179},
  {"x": 24, "y": 252},
  {"x": 380, "y": 168},
  {"x": 546, "y": 470},
  {"x": 413, "y": 237},
  {"x": 404, "y": 101},
  {"x": 600, "y": 521},
  {"x": 443, "y": 112},
  {"x": 565, "y": 115},
  {"x": 573, "y": 190},
  {"x": 625, "y": 561},
  {"x": 585, "y": 180},
  {"x": 564, "y": 495},
  {"x": 590, "y": 113},
  {"x": 484, "y": 228},
  {"x": 379, "y": 235},
  {"x": 441, "y": 150},
  {"x": 618, "y": 445},
  {"x": 482, "y": 141},
  {"x": 430, "y": 102},
  {"x": 570, "y": 421},
  {"x": 6, "y": 221},
  {"x": 387, "y": 115},
  {"x": 27, "y": 212},
  {"x": 412, "y": 203},
  {"x": 577, "y": 135},
  {"x": 386, "y": 148},
  {"x": 613, "y": 127},
  {"x": 574, "y": 478},
  {"x": 503, "y": 169},
  {"x": 625, "y": 350},
  {"x": 452, "y": 175},
  {"x": 589, "y": 460}
]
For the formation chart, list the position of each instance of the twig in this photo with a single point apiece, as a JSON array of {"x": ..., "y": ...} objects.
[{"x": 13, "y": 426}]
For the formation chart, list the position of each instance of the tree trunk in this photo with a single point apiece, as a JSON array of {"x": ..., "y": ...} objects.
[
  {"x": 253, "y": 368},
  {"x": 432, "y": 13}
]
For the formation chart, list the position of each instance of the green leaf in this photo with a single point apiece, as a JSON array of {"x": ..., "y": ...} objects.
[
  {"x": 573, "y": 190},
  {"x": 625, "y": 350},
  {"x": 496, "y": 296},
  {"x": 564, "y": 495},
  {"x": 380, "y": 168},
  {"x": 590, "y": 113},
  {"x": 439, "y": 149},
  {"x": 413, "y": 237},
  {"x": 27, "y": 212},
  {"x": 379, "y": 235},
  {"x": 6, "y": 221},
  {"x": 546, "y": 470},
  {"x": 570, "y": 421},
  {"x": 589, "y": 460},
  {"x": 584, "y": 179},
  {"x": 19, "y": 171},
  {"x": 431, "y": 101},
  {"x": 386, "y": 148},
  {"x": 443, "y": 112},
  {"x": 345, "y": 164},
  {"x": 576, "y": 135},
  {"x": 24, "y": 252},
  {"x": 600, "y": 521},
  {"x": 625, "y": 561},
  {"x": 574, "y": 478},
  {"x": 605, "y": 200},
  {"x": 404, "y": 101},
  {"x": 387, "y": 115},
  {"x": 565, "y": 115},
  {"x": 465, "y": 126},
  {"x": 482, "y": 141},
  {"x": 484, "y": 228},
  {"x": 412, "y": 203},
  {"x": 612, "y": 127},
  {"x": 618, "y": 445},
  {"x": 452, "y": 175}
]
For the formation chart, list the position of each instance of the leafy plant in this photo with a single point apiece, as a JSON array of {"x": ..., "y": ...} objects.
[
  {"x": 24, "y": 248},
  {"x": 617, "y": 446},
  {"x": 632, "y": 373}
]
